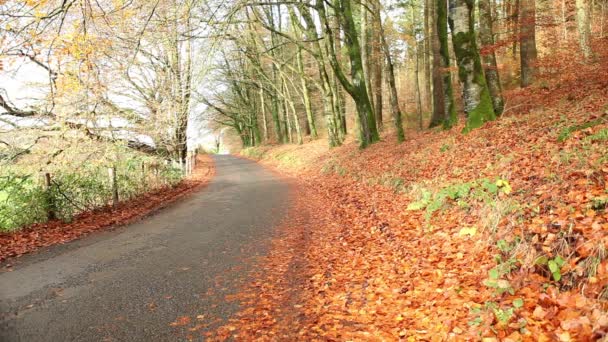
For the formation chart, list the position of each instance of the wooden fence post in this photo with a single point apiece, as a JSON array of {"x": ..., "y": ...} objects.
[
  {"x": 187, "y": 170},
  {"x": 112, "y": 174},
  {"x": 143, "y": 175},
  {"x": 49, "y": 201}
]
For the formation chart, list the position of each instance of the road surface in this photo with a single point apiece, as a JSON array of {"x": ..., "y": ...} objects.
[{"x": 131, "y": 283}]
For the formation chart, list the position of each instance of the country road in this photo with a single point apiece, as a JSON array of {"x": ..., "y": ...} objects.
[{"x": 131, "y": 283}]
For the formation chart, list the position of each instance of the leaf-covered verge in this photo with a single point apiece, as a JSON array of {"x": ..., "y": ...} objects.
[
  {"x": 78, "y": 169},
  {"x": 36, "y": 236},
  {"x": 498, "y": 234}
]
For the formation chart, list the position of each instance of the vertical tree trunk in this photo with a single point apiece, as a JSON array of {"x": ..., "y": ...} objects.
[
  {"x": 564, "y": 20},
  {"x": 602, "y": 18},
  {"x": 489, "y": 57},
  {"x": 417, "y": 84},
  {"x": 390, "y": 79},
  {"x": 364, "y": 47},
  {"x": 515, "y": 21},
  {"x": 439, "y": 111},
  {"x": 310, "y": 119},
  {"x": 368, "y": 132},
  {"x": 264, "y": 120},
  {"x": 311, "y": 34},
  {"x": 338, "y": 91},
  {"x": 476, "y": 96},
  {"x": 584, "y": 28},
  {"x": 276, "y": 105},
  {"x": 377, "y": 61},
  {"x": 444, "y": 50},
  {"x": 427, "y": 56},
  {"x": 527, "y": 48}
]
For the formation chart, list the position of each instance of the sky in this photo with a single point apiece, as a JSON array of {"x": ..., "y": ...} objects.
[{"x": 25, "y": 83}]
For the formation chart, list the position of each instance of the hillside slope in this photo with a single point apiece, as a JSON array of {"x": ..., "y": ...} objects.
[{"x": 500, "y": 233}]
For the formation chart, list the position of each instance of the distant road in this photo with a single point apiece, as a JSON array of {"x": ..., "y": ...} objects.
[{"x": 130, "y": 284}]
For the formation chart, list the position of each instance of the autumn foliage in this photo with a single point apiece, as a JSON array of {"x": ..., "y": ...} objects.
[{"x": 499, "y": 234}]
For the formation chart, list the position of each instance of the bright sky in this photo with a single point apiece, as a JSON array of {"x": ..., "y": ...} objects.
[{"x": 25, "y": 83}]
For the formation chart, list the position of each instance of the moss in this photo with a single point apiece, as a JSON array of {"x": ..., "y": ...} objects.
[
  {"x": 466, "y": 51},
  {"x": 442, "y": 31},
  {"x": 482, "y": 113}
]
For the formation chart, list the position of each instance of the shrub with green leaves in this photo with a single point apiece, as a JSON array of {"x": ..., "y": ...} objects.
[{"x": 25, "y": 201}]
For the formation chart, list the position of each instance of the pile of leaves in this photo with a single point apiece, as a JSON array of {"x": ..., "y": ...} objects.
[
  {"x": 498, "y": 234},
  {"x": 34, "y": 237}
]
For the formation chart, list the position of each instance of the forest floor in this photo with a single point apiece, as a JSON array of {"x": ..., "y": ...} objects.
[
  {"x": 501, "y": 233},
  {"x": 29, "y": 239}
]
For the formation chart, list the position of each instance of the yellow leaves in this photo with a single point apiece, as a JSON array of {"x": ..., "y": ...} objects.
[
  {"x": 470, "y": 231},
  {"x": 504, "y": 185}
]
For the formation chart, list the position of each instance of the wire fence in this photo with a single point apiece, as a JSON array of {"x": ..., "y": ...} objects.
[{"x": 29, "y": 199}]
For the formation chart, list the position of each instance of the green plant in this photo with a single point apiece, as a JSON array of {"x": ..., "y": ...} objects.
[
  {"x": 554, "y": 265},
  {"x": 482, "y": 190},
  {"x": 566, "y": 132},
  {"x": 602, "y": 135}
]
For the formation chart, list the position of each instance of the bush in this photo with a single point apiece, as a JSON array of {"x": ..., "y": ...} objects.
[{"x": 25, "y": 201}]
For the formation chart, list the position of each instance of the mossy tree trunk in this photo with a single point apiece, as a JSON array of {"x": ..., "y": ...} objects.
[
  {"x": 486, "y": 37},
  {"x": 438, "y": 116},
  {"x": 444, "y": 51},
  {"x": 476, "y": 96},
  {"x": 356, "y": 87}
]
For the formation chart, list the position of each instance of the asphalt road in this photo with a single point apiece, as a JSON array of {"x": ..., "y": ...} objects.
[{"x": 131, "y": 283}]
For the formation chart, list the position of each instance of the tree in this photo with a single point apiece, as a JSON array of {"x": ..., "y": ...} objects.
[
  {"x": 377, "y": 59},
  {"x": 486, "y": 37},
  {"x": 450, "y": 117},
  {"x": 356, "y": 87},
  {"x": 584, "y": 28},
  {"x": 439, "y": 115},
  {"x": 477, "y": 101},
  {"x": 390, "y": 79},
  {"x": 527, "y": 42}
]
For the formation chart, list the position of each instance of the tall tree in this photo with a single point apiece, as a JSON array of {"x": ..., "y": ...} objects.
[
  {"x": 376, "y": 65},
  {"x": 356, "y": 87},
  {"x": 527, "y": 42},
  {"x": 486, "y": 37},
  {"x": 439, "y": 115},
  {"x": 477, "y": 101},
  {"x": 390, "y": 79},
  {"x": 584, "y": 28},
  {"x": 444, "y": 51}
]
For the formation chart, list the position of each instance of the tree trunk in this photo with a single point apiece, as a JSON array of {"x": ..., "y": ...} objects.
[
  {"x": 310, "y": 119},
  {"x": 439, "y": 111},
  {"x": 390, "y": 79},
  {"x": 365, "y": 49},
  {"x": 311, "y": 34},
  {"x": 476, "y": 96},
  {"x": 489, "y": 57},
  {"x": 515, "y": 21},
  {"x": 527, "y": 49},
  {"x": 584, "y": 30},
  {"x": 338, "y": 91},
  {"x": 417, "y": 84},
  {"x": 451, "y": 116},
  {"x": 368, "y": 132},
  {"x": 264, "y": 120},
  {"x": 377, "y": 62},
  {"x": 427, "y": 56}
]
